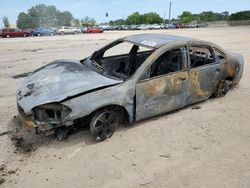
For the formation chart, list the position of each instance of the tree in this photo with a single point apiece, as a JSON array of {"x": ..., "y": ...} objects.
[
  {"x": 186, "y": 17},
  {"x": 76, "y": 22},
  {"x": 42, "y": 15},
  {"x": 134, "y": 18},
  {"x": 151, "y": 18},
  {"x": 6, "y": 21},
  {"x": 87, "y": 21},
  {"x": 24, "y": 21},
  {"x": 242, "y": 15},
  {"x": 64, "y": 18},
  {"x": 147, "y": 18}
]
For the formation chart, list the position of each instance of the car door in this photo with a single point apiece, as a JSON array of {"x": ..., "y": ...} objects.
[
  {"x": 12, "y": 32},
  {"x": 164, "y": 85},
  {"x": 204, "y": 72}
]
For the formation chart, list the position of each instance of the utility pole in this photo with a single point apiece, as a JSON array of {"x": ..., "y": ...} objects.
[
  {"x": 170, "y": 4},
  {"x": 164, "y": 20}
]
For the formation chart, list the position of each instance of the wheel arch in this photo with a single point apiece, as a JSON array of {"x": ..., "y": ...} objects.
[{"x": 121, "y": 110}]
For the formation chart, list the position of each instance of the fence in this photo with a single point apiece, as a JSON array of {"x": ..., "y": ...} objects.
[{"x": 226, "y": 23}]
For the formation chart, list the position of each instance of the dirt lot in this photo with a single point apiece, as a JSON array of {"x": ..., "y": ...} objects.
[{"x": 203, "y": 146}]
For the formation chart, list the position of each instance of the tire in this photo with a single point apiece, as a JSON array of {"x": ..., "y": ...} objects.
[
  {"x": 38, "y": 34},
  {"x": 222, "y": 89},
  {"x": 62, "y": 33},
  {"x": 103, "y": 124},
  {"x": 7, "y": 36},
  {"x": 75, "y": 32},
  {"x": 24, "y": 35}
]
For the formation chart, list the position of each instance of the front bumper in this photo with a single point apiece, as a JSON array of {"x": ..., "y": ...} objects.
[{"x": 26, "y": 121}]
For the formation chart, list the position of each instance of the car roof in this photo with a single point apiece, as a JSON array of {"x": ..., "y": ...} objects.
[{"x": 156, "y": 40}]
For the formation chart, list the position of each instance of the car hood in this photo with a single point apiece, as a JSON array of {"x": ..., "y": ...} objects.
[{"x": 57, "y": 81}]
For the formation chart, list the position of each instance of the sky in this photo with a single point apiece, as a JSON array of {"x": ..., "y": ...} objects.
[{"x": 118, "y": 9}]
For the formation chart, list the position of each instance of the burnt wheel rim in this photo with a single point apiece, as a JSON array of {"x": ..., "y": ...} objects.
[{"x": 104, "y": 125}]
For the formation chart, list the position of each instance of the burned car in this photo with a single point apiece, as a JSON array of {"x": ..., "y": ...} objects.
[{"x": 130, "y": 79}]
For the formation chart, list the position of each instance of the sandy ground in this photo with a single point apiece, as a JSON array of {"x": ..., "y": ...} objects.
[{"x": 208, "y": 146}]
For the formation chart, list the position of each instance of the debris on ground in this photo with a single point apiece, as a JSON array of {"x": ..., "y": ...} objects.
[
  {"x": 142, "y": 184},
  {"x": 4, "y": 133},
  {"x": 2, "y": 180},
  {"x": 165, "y": 156},
  {"x": 196, "y": 107}
]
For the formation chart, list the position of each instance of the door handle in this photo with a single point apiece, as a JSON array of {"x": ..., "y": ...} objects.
[{"x": 218, "y": 70}]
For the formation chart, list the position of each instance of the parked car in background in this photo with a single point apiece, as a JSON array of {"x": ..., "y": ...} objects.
[
  {"x": 133, "y": 27},
  {"x": 43, "y": 32},
  {"x": 94, "y": 30},
  {"x": 154, "y": 26},
  {"x": 170, "y": 26},
  {"x": 143, "y": 27},
  {"x": 10, "y": 32},
  {"x": 180, "y": 26},
  {"x": 82, "y": 29},
  {"x": 67, "y": 30},
  {"x": 104, "y": 27},
  {"x": 192, "y": 26},
  {"x": 0, "y": 32}
]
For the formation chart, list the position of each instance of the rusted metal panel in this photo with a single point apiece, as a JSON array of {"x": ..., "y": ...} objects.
[
  {"x": 161, "y": 94},
  {"x": 203, "y": 81}
]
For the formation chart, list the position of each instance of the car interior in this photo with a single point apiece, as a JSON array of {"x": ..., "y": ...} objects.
[
  {"x": 200, "y": 56},
  {"x": 170, "y": 61},
  {"x": 119, "y": 64}
]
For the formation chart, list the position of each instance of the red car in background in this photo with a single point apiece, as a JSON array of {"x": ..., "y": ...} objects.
[
  {"x": 9, "y": 32},
  {"x": 94, "y": 30}
]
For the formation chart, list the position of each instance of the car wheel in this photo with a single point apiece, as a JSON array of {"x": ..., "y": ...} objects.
[
  {"x": 8, "y": 36},
  {"x": 51, "y": 34},
  {"x": 38, "y": 34},
  {"x": 221, "y": 89},
  {"x": 62, "y": 33},
  {"x": 75, "y": 32},
  {"x": 103, "y": 124},
  {"x": 24, "y": 35}
]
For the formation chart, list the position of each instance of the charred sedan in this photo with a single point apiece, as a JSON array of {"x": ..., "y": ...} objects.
[{"x": 130, "y": 79}]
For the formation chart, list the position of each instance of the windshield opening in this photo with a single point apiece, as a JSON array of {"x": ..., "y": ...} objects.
[{"x": 120, "y": 59}]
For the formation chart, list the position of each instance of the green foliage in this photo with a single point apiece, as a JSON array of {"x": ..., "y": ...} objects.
[
  {"x": 243, "y": 15},
  {"x": 6, "y": 21},
  {"x": 64, "y": 18},
  {"x": 24, "y": 21},
  {"x": 87, "y": 21},
  {"x": 42, "y": 15},
  {"x": 134, "y": 18},
  {"x": 137, "y": 18},
  {"x": 186, "y": 17},
  {"x": 212, "y": 16},
  {"x": 76, "y": 22},
  {"x": 118, "y": 22}
]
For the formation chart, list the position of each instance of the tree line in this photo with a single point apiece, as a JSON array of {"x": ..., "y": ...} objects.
[
  {"x": 186, "y": 17},
  {"x": 49, "y": 16},
  {"x": 42, "y": 15},
  {"x": 137, "y": 18}
]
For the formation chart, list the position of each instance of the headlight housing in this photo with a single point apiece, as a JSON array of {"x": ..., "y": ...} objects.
[{"x": 53, "y": 113}]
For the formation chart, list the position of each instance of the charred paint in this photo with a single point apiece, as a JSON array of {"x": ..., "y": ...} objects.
[{"x": 195, "y": 83}]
